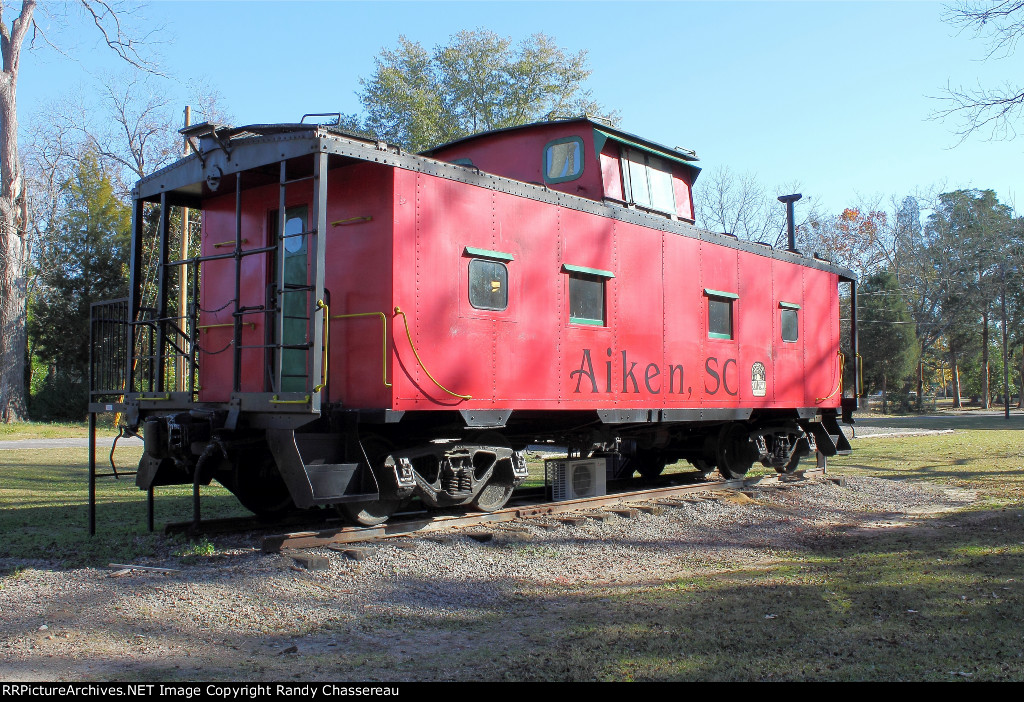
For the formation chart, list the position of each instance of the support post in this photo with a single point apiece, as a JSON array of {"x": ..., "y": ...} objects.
[{"x": 92, "y": 474}]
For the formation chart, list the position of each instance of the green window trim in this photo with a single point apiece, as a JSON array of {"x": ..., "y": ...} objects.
[
  {"x": 601, "y": 137},
  {"x": 718, "y": 293},
  {"x": 474, "y": 252},
  {"x": 566, "y": 268},
  {"x": 584, "y": 320},
  {"x": 789, "y": 306},
  {"x": 716, "y": 335},
  {"x": 580, "y": 167}
]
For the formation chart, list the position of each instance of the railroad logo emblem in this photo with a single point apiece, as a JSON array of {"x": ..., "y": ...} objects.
[{"x": 758, "y": 380}]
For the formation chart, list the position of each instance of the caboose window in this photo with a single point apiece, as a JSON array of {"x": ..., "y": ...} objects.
[
  {"x": 649, "y": 181},
  {"x": 720, "y": 313},
  {"x": 563, "y": 159},
  {"x": 586, "y": 294},
  {"x": 789, "y": 319},
  {"x": 488, "y": 284}
]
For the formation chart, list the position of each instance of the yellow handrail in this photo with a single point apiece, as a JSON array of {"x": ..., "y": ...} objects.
[
  {"x": 304, "y": 401},
  {"x": 165, "y": 398},
  {"x": 384, "y": 337},
  {"x": 860, "y": 373},
  {"x": 839, "y": 387},
  {"x": 352, "y": 220},
  {"x": 321, "y": 305},
  {"x": 420, "y": 361}
]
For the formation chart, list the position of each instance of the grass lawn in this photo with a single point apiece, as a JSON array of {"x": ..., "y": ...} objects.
[
  {"x": 942, "y": 599},
  {"x": 44, "y": 500}
]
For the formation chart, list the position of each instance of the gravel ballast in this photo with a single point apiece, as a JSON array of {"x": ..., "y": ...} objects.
[{"x": 242, "y": 614}]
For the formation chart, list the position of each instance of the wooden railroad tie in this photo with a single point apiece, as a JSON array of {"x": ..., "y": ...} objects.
[
  {"x": 648, "y": 509},
  {"x": 350, "y": 552}
]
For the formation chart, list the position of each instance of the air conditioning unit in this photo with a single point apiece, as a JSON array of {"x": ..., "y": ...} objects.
[{"x": 571, "y": 479}]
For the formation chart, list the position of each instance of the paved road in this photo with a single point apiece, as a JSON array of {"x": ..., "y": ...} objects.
[{"x": 23, "y": 444}]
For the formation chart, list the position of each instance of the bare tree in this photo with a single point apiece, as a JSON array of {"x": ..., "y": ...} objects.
[
  {"x": 738, "y": 204},
  {"x": 992, "y": 111},
  {"x": 106, "y": 17}
]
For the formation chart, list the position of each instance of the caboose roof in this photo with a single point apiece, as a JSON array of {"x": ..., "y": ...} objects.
[
  {"x": 223, "y": 154},
  {"x": 602, "y": 131}
]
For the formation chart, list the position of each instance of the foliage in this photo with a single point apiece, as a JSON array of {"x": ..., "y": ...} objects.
[
  {"x": 851, "y": 239},
  {"x": 113, "y": 23},
  {"x": 477, "y": 82},
  {"x": 887, "y": 339},
  {"x": 80, "y": 260}
]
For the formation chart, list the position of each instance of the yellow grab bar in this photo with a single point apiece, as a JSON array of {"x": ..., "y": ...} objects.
[
  {"x": 165, "y": 398},
  {"x": 228, "y": 243},
  {"x": 839, "y": 386},
  {"x": 384, "y": 337},
  {"x": 304, "y": 401},
  {"x": 860, "y": 373},
  {"x": 321, "y": 305},
  {"x": 351, "y": 220},
  {"x": 420, "y": 361}
]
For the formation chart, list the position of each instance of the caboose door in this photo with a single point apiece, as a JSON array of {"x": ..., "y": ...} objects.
[{"x": 294, "y": 301}]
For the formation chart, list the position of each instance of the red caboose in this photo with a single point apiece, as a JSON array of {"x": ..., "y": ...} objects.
[{"x": 363, "y": 326}]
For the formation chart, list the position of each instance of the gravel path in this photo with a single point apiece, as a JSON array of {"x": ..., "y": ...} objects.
[{"x": 245, "y": 615}]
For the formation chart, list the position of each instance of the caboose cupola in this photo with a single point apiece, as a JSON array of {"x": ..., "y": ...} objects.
[{"x": 585, "y": 158}]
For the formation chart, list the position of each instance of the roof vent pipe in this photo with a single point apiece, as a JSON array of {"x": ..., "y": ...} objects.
[{"x": 790, "y": 227}]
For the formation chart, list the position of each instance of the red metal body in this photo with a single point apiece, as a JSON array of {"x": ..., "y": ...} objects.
[
  {"x": 367, "y": 327},
  {"x": 398, "y": 239}
]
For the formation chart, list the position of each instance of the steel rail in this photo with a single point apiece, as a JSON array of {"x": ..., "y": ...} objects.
[{"x": 431, "y": 523}]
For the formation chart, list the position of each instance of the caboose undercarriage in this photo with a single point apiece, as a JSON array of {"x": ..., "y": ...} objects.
[{"x": 276, "y": 437}]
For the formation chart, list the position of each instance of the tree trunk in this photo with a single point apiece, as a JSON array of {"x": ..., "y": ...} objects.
[
  {"x": 920, "y": 385},
  {"x": 955, "y": 373},
  {"x": 985, "y": 389},
  {"x": 1020, "y": 396},
  {"x": 14, "y": 245}
]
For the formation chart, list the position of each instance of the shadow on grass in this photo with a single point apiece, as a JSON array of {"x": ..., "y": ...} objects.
[{"x": 939, "y": 601}]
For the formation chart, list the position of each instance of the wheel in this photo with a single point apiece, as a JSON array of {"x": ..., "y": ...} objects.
[
  {"x": 257, "y": 483},
  {"x": 649, "y": 464},
  {"x": 378, "y": 511},
  {"x": 704, "y": 468},
  {"x": 494, "y": 495},
  {"x": 734, "y": 451}
]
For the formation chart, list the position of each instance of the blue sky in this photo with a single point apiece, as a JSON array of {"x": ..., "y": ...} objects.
[{"x": 833, "y": 95}]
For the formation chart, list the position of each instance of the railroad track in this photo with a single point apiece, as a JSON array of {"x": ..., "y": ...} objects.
[{"x": 526, "y": 504}]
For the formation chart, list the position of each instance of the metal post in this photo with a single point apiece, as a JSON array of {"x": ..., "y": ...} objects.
[
  {"x": 853, "y": 340},
  {"x": 319, "y": 264},
  {"x": 149, "y": 507},
  {"x": 281, "y": 220},
  {"x": 790, "y": 225},
  {"x": 134, "y": 291},
  {"x": 237, "y": 333},
  {"x": 179, "y": 375},
  {"x": 195, "y": 502},
  {"x": 92, "y": 473},
  {"x": 161, "y": 299}
]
